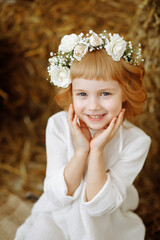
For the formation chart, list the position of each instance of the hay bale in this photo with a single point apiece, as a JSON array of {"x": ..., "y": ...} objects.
[
  {"x": 146, "y": 30},
  {"x": 28, "y": 32}
]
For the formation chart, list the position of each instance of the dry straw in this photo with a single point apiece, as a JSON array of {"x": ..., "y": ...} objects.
[{"x": 28, "y": 32}]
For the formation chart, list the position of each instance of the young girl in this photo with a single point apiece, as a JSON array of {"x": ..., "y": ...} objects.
[{"x": 93, "y": 152}]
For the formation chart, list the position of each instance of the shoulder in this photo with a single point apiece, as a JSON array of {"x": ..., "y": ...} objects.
[
  {"x": 59, "y": 116},
  {"x": 58, "y": 123},
  {"x": 132, "y": 133},
  {"x": 58, "y": 119}
]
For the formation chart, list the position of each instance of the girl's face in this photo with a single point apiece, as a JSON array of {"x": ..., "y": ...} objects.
[{"x": 96, "y": 102}]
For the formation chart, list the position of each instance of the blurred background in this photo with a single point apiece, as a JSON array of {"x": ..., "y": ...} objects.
[{"x": 29, "y": 31}]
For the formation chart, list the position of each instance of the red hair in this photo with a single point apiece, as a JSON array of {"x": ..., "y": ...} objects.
[{"x": 100, "y": 66}]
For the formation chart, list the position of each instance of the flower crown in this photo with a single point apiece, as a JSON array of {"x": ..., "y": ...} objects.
[{"x": 73, "y": 47}]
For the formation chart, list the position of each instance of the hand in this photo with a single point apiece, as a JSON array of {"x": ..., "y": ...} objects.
[
  {"x": 103, "y": 136},
  {"x": 79, "y": 131}
]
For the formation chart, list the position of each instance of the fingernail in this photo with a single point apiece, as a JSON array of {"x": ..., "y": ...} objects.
[{"x": 71, "y": 106}]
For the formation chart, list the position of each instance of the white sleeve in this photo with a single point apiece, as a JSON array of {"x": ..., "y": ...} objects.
[
  {"x": 119, "y": 178},
  {"x": 55, "y": 186}
]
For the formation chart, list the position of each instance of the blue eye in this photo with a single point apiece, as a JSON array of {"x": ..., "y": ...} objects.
[
  {"x": 105, "y": 93},
  {"x": 82, "y": 94}
]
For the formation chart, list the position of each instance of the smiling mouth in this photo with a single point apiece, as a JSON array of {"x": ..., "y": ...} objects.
[{"x": 96, "y": 117}]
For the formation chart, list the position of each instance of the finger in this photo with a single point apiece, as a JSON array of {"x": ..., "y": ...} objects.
[
  {"x": 70, "y": 114},
  {"x": 107, "y": 133},
  {"x": 82, "y": 124},
  {"x": 120, "y": 118},
  {"x": 71, "y": 117},
  {"x": 111, "y": 126},
  {"x": 76, "y": 127},
  {"x": 75, "y": 122},
  {"x": 118, "y": 121}
]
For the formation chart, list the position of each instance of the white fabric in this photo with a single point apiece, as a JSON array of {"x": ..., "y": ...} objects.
[{"x": 108, "y": 216}]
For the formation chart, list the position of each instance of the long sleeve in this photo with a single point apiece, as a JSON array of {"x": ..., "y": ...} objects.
[
  {"x": 55, "y": 187},
  {"x": 119, "y": 177}
]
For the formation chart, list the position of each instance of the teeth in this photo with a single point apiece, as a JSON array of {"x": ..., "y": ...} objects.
[{"x": 95, "y": 116}]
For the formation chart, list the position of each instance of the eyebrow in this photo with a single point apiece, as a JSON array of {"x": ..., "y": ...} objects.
[
  {"x": 79, "y": 90},
  {"x": 107, "y": 89},
  {"x": 104, "y": 89}
]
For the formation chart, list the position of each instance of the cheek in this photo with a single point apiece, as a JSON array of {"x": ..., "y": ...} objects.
[
  {"x": 114, "y": 107},
  {"x": 77, "y": 106}
]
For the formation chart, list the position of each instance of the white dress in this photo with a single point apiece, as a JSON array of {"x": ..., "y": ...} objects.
[{"x": 109, "y": 215}]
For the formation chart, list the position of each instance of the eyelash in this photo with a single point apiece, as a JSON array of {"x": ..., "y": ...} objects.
[
  {"x": 105, "y": 93},
  {"x": 83, "y": 94}
]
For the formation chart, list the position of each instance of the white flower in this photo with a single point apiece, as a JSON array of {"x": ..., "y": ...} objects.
[
  {"x": 74, "y": 47},
  {"x": 60, "y": 76},
  {"x": 68, "y": 42},
  {"x": 79, "y": 51},
  {"x": 95, "y": 40},
  {"x": 53, "y": 60},
  {"x": 116, "y": 47}
]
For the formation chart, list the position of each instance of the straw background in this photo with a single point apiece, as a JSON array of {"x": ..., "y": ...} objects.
[{"x": 29, "y": 30}]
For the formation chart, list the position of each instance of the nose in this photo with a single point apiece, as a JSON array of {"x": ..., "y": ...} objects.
[{"x": 93, "y": 104}]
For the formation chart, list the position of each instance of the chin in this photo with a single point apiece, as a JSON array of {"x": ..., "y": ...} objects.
[{"x": 98, "y": 127}]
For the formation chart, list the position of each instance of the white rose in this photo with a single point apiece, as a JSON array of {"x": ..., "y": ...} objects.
[
  {"x": 60, "y": 76},
  {"x": 68, "y": 42},
  {"x": 79, "y": 51},
  {"x": 95, "y": 40},
  {"x": 116, "y": 47}
]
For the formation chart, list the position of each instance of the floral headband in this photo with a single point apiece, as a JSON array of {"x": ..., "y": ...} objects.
[{"x": 73, "y": 47}]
